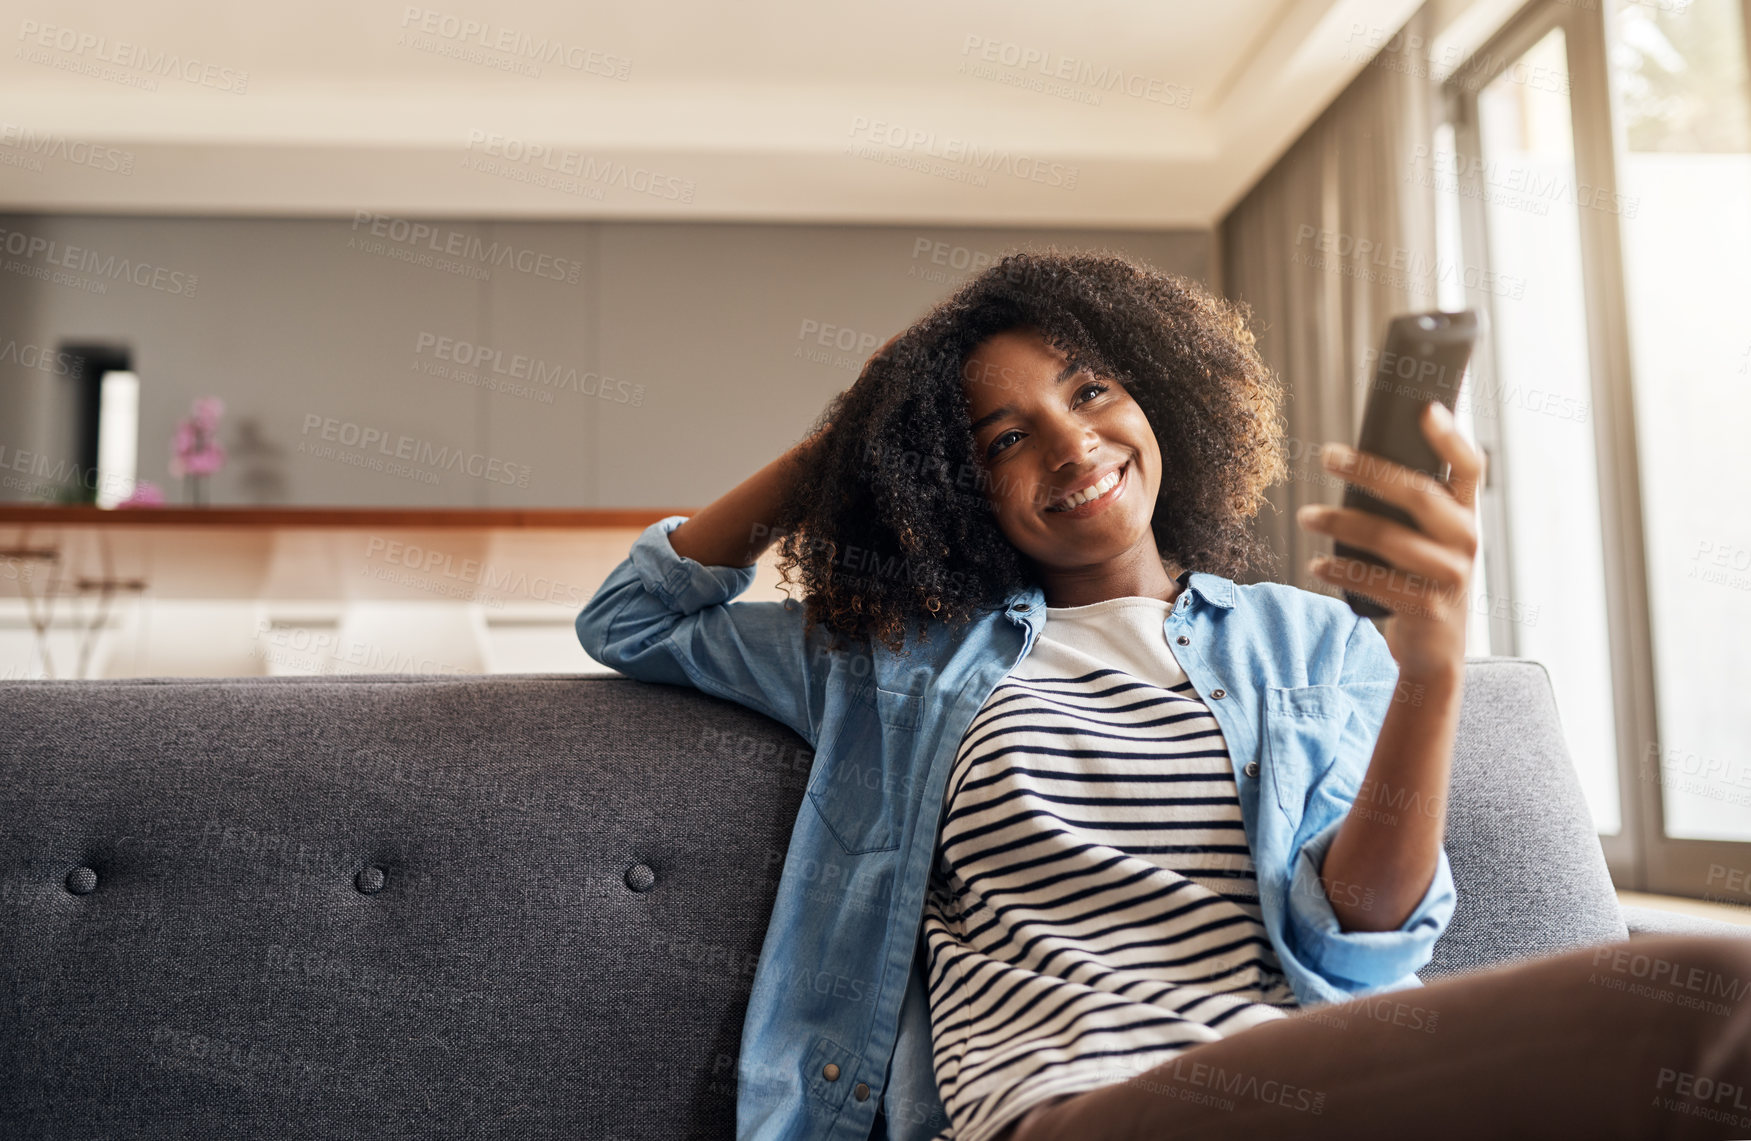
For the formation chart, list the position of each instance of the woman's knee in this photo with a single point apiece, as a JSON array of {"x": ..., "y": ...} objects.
[
  {"x": 1715, "y": 968},
  {"x": 1687, "y": 997}
]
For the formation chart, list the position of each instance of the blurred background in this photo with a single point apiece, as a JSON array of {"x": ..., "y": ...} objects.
[{"x": 366, "y": 337}]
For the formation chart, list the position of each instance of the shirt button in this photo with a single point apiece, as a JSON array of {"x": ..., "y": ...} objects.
[
  {"x": 1252, "y": 768},
  {"x": 830, "y": 1072},
  {"x": 861, "y": 1092},
  {"x": 1184, "y": 641},
  {"x": 1219, "y": 693}
]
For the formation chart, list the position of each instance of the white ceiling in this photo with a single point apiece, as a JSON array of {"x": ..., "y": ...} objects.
[{"x": 740, "y": 109}]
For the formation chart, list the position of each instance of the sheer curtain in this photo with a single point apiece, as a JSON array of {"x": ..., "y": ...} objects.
[{"x": 1333, "y": 240}]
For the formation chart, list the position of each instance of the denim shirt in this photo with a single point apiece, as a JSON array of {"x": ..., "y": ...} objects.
[{"x": 837, "y": 1025}]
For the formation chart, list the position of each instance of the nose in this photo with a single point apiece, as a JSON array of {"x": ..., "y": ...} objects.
[{"x": 1066, "y": 441}]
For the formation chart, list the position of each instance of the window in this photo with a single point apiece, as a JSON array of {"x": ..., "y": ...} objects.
[
  {"x": 1601, "y": 176},
  {"x": 1685, "y": 177}
]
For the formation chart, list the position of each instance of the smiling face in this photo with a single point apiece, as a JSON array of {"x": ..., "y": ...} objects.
[{"x": 1073, "y": 469}]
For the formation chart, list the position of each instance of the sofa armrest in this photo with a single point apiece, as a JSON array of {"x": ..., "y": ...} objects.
[{"x": 1649, "y": 922}]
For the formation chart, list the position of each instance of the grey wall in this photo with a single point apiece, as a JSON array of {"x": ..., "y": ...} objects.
[{"x": 674, "y": 358}]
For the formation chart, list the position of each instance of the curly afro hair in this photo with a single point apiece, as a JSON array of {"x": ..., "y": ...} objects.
[{"x": 888, "y": 521}]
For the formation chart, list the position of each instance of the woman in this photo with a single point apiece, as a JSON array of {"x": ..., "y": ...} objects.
[{"x": 1146, "y": 907}]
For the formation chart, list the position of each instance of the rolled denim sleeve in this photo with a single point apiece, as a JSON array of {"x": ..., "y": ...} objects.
[
  {"x": 662, "y": 617},
  {"x": 1365, "y": 960},
  {"x": 1357, "y": 961}
]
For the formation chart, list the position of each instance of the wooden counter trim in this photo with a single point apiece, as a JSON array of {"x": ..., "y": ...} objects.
[{"x": 414, "y": 517}]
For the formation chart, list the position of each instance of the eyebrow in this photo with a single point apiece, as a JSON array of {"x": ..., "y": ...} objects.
[{"x": 999, "y": 413}]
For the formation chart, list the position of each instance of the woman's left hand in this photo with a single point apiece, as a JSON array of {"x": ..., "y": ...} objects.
[{"x": 1428, "y": 582}]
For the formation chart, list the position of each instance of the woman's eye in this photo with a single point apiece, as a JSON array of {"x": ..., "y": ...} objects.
[{"x": 1096, "y": 385}]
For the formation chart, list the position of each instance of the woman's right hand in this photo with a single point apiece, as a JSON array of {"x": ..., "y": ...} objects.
[
  {"x": 736, "y": 528},
  {"x": 862, "y": 374},
  {"x": 878, "y": 355}
]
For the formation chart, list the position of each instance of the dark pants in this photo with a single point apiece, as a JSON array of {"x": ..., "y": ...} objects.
[{"x": 1643, "y": 1039}]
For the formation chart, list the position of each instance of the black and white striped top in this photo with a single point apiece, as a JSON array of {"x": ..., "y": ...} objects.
[{"x": 1092, "y": 910}]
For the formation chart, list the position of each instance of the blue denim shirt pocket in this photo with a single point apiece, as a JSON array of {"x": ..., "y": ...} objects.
[
  {"x": 845, "y": 1071},
  {"x": 899, "y": 710},
  {"x": 854, "y": 792},
  {"x": 1304, "y": 725}
]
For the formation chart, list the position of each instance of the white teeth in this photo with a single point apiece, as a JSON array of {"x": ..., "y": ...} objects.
[{"x": 1077, "y": 499}]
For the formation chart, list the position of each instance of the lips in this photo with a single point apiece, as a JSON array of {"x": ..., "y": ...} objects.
[{"x": 1056, "y": 506}]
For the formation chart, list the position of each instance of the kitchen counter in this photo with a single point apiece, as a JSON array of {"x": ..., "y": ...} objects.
[{"x": 339, "y": 553}]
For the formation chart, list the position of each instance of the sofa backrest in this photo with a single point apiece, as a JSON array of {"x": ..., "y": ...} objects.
[{"x": 513, "y": 903}]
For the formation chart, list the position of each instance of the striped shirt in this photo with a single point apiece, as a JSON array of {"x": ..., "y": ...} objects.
[{"x": 1092, "y": 910}]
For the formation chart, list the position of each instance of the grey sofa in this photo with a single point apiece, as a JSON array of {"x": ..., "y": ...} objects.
[{"x": 500, "y": 906}]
